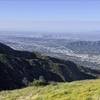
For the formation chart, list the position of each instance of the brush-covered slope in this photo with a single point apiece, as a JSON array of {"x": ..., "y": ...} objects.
[
  {"x": 19, "y": 68},
  {"x": 81, "y": 90}
]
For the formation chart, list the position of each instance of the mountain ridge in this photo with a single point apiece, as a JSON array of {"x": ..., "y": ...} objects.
[{"x": 19, "y": 68}]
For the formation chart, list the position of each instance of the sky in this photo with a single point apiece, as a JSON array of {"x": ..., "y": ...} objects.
[{"x": 50, "y": 15}]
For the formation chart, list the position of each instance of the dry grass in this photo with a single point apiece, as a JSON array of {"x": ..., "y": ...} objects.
[{"x": 80, "y": 90}]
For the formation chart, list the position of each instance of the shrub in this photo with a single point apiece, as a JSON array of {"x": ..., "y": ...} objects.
[{"x": 38, "y": 83}]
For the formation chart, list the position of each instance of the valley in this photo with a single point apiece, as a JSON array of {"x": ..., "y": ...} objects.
[{"x": 80, "y": 51}]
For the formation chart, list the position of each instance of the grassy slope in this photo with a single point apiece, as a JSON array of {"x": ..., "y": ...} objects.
[{"x": 80, "y": 90}]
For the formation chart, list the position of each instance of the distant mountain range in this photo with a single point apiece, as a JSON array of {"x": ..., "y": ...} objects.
[
  {"x": 85, "y": 47},
  {"x": 85, "y": 53}
]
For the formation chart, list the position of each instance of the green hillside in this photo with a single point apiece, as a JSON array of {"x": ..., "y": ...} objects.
[{"x": 79, "y": 90}]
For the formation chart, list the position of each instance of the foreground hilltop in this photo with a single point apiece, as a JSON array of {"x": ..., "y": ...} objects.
[
  {"x": 19, "y": 68},
  {"x": 80, "y": 90}
]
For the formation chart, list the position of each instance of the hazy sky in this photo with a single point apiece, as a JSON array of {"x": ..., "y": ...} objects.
[{"x": 50, "y": 15}]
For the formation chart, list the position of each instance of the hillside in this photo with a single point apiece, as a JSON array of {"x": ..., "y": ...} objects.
[
  {"x": 19, "y": 68},
  {"x": 80, "y": 90},
  {"x": 85, "y": 47}
]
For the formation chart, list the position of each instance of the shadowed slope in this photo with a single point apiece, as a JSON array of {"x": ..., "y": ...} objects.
[{"x": 19, "y": 68}]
